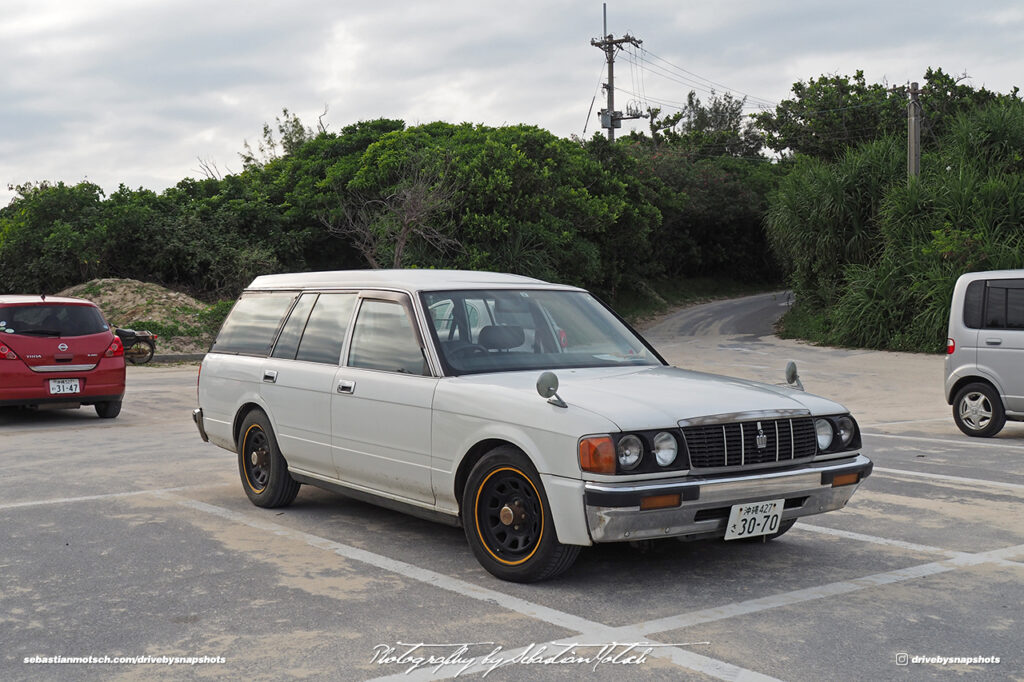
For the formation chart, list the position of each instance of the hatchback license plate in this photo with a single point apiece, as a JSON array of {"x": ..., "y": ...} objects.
[
  {"x": 753, "y": 519},
  {"x": 63, "y": 386}
]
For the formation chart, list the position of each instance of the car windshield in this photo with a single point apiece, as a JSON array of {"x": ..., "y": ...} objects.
[
  {"x": 503, "y": 330},
  {"x": 51, "y": 320}
]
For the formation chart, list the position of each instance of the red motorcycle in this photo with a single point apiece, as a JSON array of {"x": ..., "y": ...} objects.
[{"x": 139, "y": 346}]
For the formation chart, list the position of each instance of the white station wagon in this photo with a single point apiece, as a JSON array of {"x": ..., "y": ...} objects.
[{"x": 528, "y": 413}]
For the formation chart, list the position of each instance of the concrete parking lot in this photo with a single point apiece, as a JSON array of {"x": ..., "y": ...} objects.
[{"x": 132, "y": 538}]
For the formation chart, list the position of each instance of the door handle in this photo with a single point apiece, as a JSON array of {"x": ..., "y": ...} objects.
[
  {"x": 993, "y": 342},
  {"x": 270, "y": 376},
  {"x": 347, "y": 387}
]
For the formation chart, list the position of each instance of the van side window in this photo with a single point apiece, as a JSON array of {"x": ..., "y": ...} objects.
[
  {"x": 1015, "y": 308},
  {"x": 288, "y": 341},
  {"x": 325, "y": 331},
  {"x": 1004, "y": 304},
  {"x": 384, "y": 339},
  {"x": 252, "y": 324},
  {"x": 974, "y": 300}
]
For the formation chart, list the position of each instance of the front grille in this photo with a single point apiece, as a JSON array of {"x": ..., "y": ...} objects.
[{"x": 736, "y": 444}]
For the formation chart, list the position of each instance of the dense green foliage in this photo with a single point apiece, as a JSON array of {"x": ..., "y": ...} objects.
[
  {"x": 379, "y": 194},
  {"x": 873, "y": 257}
]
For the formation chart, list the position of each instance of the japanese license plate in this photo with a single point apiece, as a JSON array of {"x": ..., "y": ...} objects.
[
  {"x": 753, "y": 519},
  {"x": 63, "y": 386}
]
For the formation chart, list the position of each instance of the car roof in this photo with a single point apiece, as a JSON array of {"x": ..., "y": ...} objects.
[
  {"x": 408, "y": 280},
  {"x": 22, "y": 299}
]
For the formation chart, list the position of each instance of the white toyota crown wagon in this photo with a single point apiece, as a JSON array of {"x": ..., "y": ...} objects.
[{"x": 528, "y": 413}]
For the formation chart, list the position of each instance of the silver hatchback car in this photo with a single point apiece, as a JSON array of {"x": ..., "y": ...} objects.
[{"x": 985, "y": 351}]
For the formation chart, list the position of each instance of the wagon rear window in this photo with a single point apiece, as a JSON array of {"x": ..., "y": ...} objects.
[{"x": 251, "y": 326}]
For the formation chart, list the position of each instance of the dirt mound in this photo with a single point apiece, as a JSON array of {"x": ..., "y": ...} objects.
[{"x": 183, "y": 323}]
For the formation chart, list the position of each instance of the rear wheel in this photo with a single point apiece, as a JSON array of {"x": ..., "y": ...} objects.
[
  {"x": 108, "y": 410},
  {"x": 978, "y": 411},
  {"x": 142, "y": 353},
  {"x": 264, "y": 472},
  {"x": 507, "y": 520}
]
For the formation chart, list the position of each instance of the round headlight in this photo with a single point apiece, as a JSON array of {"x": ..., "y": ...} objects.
[
  {"x": 629, "y": 451},
  {"x": 846, "y": 430},
  {"x": 665, "y": 448},
  {"x": 823, "y": 430}
]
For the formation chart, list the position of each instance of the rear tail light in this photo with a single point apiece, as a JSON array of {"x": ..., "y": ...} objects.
[
  {"x": 950, "y": 346},
  {"x": 115, "y": 349},
  {"x": 7, "y": 354}
]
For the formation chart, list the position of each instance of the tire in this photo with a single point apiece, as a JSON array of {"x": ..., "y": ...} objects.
[
  {"x": 521, "y": 547},
  {"x": 108, "y": 410},
  {"x": 264, "y": 472},
  {"x": 148, "y": 346},
  {"x": 978, "y": 411},
  {"x": 783, "y": 527}
]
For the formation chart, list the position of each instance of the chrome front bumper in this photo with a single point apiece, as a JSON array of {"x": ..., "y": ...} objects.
[{"x": 614, "y": 514}]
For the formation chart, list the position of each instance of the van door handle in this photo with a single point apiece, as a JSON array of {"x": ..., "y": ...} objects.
[
  {"x": 993, "y": 342},
  {"x": 270, "y": 376},
  {"x": 347, "y": 387}
]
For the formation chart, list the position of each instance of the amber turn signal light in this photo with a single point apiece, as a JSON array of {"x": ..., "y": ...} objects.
[
  {"x": 597, "y": 455},
  {"x": 660, "y": 501},
  {"x": 845, "y": 479}
]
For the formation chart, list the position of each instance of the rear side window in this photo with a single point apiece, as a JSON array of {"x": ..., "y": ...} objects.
[
  {"x": 974, "y": 300},
  {"x": 52, "y": 320},
  {"x": 253, "y": 323},
  {"x": 326, "y": 328},
  {"x": 384, "y": 339},
  {"x": 1004, "y": 304},
  {"x": 288, "y": 341}
]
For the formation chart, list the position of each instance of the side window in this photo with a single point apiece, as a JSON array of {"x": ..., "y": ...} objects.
[
  {"x": 326, "y": 328},
  {"x": 252, "y": 324},
  {"x": 288, "y": 341},
  {"x": 384, "y": 339},
  {"x": 974, "y": 300},
  {"x": 1015, "y": 308}
]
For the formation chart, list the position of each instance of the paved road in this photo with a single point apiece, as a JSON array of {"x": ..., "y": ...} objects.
[{"x": 132, "y": 537}]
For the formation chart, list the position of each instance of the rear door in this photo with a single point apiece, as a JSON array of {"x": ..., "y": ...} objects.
[{"x": 1001, "y": 341}]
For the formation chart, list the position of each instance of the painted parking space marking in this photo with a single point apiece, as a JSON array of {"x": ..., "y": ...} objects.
[
  {"x": 945, "y": 441},
  {"x": 950, "y": 479}
]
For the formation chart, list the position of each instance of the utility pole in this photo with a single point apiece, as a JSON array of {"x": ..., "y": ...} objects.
[
  {"x": 609, "y": 44},
  {"x": 913, "y": 134}
]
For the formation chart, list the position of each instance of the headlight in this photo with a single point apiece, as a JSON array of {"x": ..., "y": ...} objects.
[
  {"x": 823, "y": 430},
  {"x": 846, "y": 430},
  {"x": 629, "y": 452},
  {"x": 665, "y": 448}
]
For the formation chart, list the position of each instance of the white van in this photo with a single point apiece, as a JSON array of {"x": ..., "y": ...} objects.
[{"x": 985, "y": 351}]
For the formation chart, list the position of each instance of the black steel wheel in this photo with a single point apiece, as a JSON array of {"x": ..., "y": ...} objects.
[
  {"x": 264, "y": 472},
  {"x": 507, "y": 520}
]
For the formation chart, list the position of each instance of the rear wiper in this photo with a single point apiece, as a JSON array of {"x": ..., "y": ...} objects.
[{"x": 40, "y": 332}]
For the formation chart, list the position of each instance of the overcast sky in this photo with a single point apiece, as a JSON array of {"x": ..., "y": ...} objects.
[{"x": 137, "y": 91}]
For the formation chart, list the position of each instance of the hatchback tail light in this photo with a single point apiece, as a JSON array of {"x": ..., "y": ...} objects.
[
  {"x": 115, "y": 349},
  {"x": 7, "y": 354},
  {"x": 950, "y": 346}
]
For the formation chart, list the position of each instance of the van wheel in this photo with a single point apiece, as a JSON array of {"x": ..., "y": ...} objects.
[
  {"x": 978, "y": 411},
  {"x": 108, "y": 410},
  {"x": 264, "y": 472},
  {"x": 507, "y": 520}
]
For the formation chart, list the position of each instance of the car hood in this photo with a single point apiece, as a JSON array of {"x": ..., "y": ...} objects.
[{"x": 638, "y": 398}]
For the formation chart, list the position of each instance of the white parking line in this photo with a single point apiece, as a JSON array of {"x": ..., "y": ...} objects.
[
  {"x": 905, "y": 421},
  {"x": 952, "y": 479},
  {"x": 687, "y": 659},
  {"x": 972, "y": 443},
  {"x": 106, "y": 496}
]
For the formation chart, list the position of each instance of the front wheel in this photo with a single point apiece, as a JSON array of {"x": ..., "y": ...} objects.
[
  {"x": 507, "y": 520},
  {"x": 264, "y": 472},
  {"x": 978, "y": 411}
]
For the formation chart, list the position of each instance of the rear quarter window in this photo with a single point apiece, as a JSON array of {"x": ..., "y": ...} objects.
[{"x": 251, "y": 327}]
